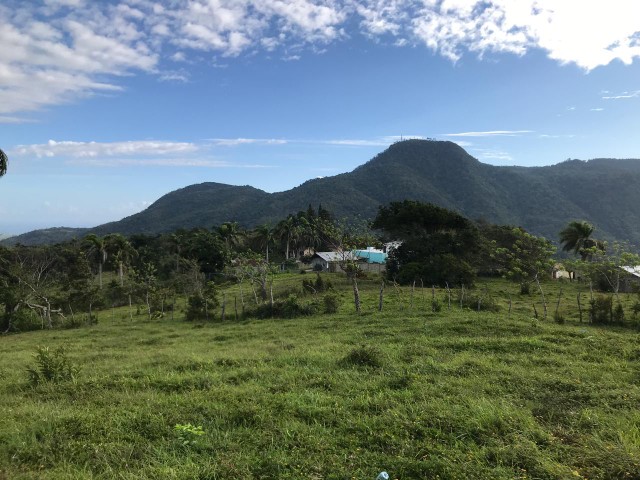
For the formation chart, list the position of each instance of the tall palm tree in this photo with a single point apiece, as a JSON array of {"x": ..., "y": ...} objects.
[
  {"x": 231, "y": 233},
  {"x": 576, "y": 238},
  {"x": 97, "y": 248},
  {"x": 4, "y": 160},
  {"x": 266, "y": 236},
  {"x": 122, "y": 251},
  {"x": 285, "y": 230}
]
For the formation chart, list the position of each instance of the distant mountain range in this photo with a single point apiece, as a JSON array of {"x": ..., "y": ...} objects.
[{"x": 605, "y": 192}]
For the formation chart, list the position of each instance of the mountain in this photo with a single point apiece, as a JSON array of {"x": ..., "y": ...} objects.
[{"x": 543, "y": 200}]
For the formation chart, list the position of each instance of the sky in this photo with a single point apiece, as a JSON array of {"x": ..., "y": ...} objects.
[{"x": 106, "y": 105}]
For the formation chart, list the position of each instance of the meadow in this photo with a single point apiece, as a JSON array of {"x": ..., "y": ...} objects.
[{"x": 423, "y": 394}]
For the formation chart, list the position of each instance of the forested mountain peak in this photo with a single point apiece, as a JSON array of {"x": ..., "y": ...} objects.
[{"x": 541, "y": 199}]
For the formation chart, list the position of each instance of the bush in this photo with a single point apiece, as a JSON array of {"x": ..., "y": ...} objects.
[
  {"x": 22, "y": 321},
  {"x": 291, "y": 307},
  {"x": 52, "y": 366},
  {"x": 601, "y": 309},
  {"x": 331, "y": 303},
  {"x": 436, "y": 305},
  {"x": 202, "y": 304},
  {"x": 487, "y": 303},
  {"x": 618, "y": 314},
  {"x": 319, "y": 286}
]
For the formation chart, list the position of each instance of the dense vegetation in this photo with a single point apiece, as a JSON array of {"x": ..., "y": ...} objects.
[{"x": 540, "y": 199}]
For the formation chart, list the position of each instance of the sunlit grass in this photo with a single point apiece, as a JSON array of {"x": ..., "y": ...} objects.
[{"x": 454, "y": 394}]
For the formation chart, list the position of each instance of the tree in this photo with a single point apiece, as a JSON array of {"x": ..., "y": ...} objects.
[
  {"x": 231, "y": 233},
  {"x": 285, "y": 231},
  {"x": 527, "y": 260},
  {"x": 121, "y": 250},
  {"x": 265, "y": 236},
  {"x": 576, "y": 238},
  {"x": 97, "y": 249},
  {"x": 438, "y": 246},
  {"x": 32, "y": 274},
  {"x": 606, "y": 266},
  {"x": 4, "y": 160}
]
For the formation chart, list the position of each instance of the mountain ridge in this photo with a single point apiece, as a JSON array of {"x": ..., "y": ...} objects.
[{"x": 540, "y": 199}]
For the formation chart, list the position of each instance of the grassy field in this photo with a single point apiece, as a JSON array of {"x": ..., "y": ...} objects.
[{"x": 455, "y": 394}]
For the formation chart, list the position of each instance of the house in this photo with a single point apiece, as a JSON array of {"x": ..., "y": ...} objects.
[
  {"x": 373, "y": 260},
  {"x": 329, "y": 261},
  {"x": 370, "y": 259}
]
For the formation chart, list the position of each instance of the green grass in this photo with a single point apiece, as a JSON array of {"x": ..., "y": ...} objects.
[{"x": 452, "y": 395}]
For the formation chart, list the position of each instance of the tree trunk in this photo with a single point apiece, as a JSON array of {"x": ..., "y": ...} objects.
[
  {"x": 381, "y": 297},
  {"x": 544, "y": 300},
  {"x": 121, "y": 273},
  {"x": 100, "y": 275},
  {"x": 356, "y": 293},
  {"x": 579, "y": 306},
  {"x": 224, "y": 306}
]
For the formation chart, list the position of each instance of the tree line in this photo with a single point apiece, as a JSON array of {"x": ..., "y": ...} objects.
[{"x": 45, "y": 286}]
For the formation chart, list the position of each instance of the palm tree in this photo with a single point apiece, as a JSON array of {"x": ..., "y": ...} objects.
[
  {"x": 285, "y": 230},
  {"x": 122, "y": 251},
  {"x": 231, "y": 233},
  {"x": 4, "y": 160},
  {"x": 97, "y": 248},
  {"x": 576, "y": 238},
  {"x": 266, "y": 236}
]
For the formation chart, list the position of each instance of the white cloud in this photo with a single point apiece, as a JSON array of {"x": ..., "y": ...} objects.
[
  {"x": 622, "y": 96},
  {"x": 597, "y": 109},
  {"x": 491, "y": 133},
  {"x": 56, "y": 51},
  {"x": 232, "y": 142},
  {"x": 96, "y": 149},
  {"x": 489, "y": 154}
]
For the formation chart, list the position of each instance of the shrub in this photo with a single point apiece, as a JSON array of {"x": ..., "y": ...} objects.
[
  {"x": 188, "y": 434},
  {"x": 486, "y": 303},
  {"x": 618, "y": 314},
  {"x": 331, "y": 303},
  {"x": 291, "y": 307},
  {"x": 436, "y": 305},
  {"x": 636, "y": 308},
  {"x": 52, "y": 366},
  {"x": 601, "y": 309},
  {"x": 202, "y": 304}
]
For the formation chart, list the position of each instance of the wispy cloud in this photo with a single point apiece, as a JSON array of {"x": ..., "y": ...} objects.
[
  {"x": 490, "y": 154},
  {"x": 233, "y": 142},
  {"x": 108, "y": 149},
  {"x": 623, "y": 95},
  {"x": 599, "y": 109},
  {"x": 161, "y": 162},
  {"x": 490, "y": 133}
]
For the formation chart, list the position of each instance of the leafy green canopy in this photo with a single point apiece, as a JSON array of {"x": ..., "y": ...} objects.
[{"x": 439, "y": 246}]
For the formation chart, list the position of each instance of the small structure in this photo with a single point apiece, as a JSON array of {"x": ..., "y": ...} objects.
[
  {"x": 370, "y": 260},
  {"x": 329, "y": 261},
  {"x": 632, "y": 280},
  {"x": 373, "y": 260},
  {"x": 559, "y": 271}
]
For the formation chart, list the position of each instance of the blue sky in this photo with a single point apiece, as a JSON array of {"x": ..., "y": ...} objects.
[{"x": 106, "y": 106}]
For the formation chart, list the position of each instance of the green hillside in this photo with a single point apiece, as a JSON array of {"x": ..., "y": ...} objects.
[{"x": 541, "y": 199}]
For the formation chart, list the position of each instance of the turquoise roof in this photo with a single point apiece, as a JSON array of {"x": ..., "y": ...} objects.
[{"x": 372, "y": 257}]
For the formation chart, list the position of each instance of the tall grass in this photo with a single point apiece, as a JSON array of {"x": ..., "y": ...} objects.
[{"x": 453, "y": 394}]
